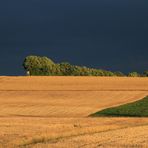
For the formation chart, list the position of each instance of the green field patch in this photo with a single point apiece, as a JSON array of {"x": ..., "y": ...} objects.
[{"x": 135, "y": 109}]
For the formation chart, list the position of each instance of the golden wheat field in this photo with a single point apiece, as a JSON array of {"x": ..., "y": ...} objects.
[{"x": 53, "y": 112}]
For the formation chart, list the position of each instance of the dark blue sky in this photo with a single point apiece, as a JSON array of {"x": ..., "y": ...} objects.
[{"x": 108, "y": 34}]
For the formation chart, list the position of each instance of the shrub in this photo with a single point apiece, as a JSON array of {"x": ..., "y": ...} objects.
[
  {"x": 145, "y": 73},
  {"x": 119, "y": 74},
  {"x": 133, "y": 74}
]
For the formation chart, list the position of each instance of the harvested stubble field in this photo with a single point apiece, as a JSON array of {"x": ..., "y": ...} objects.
[{"x": 53, "y": 112}]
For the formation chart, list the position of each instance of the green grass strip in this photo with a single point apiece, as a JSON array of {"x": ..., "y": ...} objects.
[{"x": 134, "y": 109}]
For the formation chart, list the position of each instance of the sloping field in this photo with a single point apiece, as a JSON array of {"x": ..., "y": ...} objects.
[
  {"x": 52, "y": 111},
  {"x": 66, "y": 96}
]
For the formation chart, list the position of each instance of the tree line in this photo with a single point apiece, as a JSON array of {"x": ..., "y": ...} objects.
[{"x": 43, "y": 66}]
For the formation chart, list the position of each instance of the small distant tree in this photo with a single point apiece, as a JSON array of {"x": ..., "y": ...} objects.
[
  {"x": 66, "y": 68},
  {"x": 145, "y": 73},
  {"x": 108, "y": 73},
  {"x": 133, "y": 74},
  {"x": 119, "y": 74}
]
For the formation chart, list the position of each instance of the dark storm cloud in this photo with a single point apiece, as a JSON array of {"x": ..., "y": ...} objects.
[{"x": 102, "y": 34}]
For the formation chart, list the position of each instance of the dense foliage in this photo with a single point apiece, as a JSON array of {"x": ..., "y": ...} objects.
[
  {"x": 133, "y": 74},
  {"x": 135, "y": 109},
  {"x": 36, "y": 65}
]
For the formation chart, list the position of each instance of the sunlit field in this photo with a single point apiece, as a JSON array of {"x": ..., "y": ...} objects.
[{"x": 53, "y": 112}]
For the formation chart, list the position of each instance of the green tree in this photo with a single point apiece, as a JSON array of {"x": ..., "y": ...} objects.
[
  {"x": 145, "y": 73},
  {"x": 119, "y": 74},
  {"x": 133, "y": 74},
  {"x": 37, "y": 65},
  {"x": 65, "y": 68}
]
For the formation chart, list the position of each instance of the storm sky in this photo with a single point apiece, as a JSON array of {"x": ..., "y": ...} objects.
[{"x": 106, "y": 34}]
